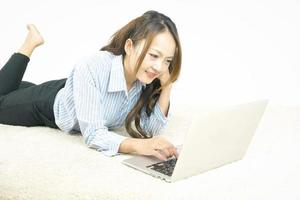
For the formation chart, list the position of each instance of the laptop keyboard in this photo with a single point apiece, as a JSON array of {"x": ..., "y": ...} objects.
[{"x": 165, "y": 167}]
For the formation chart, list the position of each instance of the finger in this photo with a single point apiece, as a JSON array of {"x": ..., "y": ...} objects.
[
  {"x": 165, "y": 147},
  {"x": 166, "y": 152},
  {"x": 176, "y": 153},
  {"x": 173, "y": 152},
  {"x": 158, "y": 155}
]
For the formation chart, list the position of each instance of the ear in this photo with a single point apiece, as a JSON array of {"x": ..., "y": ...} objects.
[{"x": 128, "y": 47}]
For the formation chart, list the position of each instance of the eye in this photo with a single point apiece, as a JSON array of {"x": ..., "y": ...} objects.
[
  {"x": 153, "y": 55},
  {"x": 168, "y": 62}
]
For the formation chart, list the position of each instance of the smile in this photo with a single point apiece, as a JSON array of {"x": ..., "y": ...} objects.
[{"x": 151, "y": 75}]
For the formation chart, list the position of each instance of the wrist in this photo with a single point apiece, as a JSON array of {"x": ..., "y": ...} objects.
[
  {"x": 129, "y": 145},
  {"x": 167, "y": 87}
]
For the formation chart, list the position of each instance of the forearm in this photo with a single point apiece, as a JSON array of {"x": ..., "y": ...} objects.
[
  {"x": 164, "y": 99},
  {"x": 133, "y": 145}
]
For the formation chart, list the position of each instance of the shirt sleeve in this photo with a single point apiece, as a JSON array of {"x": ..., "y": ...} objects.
[
  {"x": 87, "y": 100},
  {"x": 156, "y": 122}
]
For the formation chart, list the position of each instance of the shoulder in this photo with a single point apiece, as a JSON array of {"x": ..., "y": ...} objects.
[
  {"x": 98, "y": 63},
  {"x": 98, "y": 59},
  {"x": 97, "y": 66}
]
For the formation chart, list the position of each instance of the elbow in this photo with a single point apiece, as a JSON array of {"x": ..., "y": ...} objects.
[{"x": 89, "y": 140}]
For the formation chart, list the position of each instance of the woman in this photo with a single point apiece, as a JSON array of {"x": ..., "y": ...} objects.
[{"x": 129, "y": 80}]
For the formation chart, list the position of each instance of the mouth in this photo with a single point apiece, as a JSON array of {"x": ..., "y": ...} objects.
[{"x": 151, "y": 74}]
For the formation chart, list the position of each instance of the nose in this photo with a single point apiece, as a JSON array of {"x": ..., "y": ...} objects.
[{"x": 158, "y": 66}]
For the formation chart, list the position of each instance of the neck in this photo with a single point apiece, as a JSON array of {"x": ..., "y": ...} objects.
[{"x": 129, "y": 73}]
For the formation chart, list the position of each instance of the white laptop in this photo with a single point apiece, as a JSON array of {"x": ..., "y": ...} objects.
[{"x": 214, "y": 139}]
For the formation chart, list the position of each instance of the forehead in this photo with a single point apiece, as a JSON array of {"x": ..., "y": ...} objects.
[{"x": 164, "y": 43}]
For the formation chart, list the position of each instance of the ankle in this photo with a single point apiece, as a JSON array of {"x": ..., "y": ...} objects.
[{"x": 26, "y": 50}]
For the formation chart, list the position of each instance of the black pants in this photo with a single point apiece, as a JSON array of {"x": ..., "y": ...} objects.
[{"x": 24, "y": 103}]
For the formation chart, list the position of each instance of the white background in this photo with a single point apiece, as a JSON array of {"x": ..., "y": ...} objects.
[{"x": 233, "y": 51}]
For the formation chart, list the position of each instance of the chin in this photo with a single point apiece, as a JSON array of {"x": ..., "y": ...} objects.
[{"x": 146, "y": 80}]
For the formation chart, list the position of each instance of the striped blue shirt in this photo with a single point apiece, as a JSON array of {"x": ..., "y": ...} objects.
[{"x": 95, "y": 100}]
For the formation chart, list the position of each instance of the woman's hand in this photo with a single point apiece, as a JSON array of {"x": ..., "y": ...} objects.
[
  {"x": 156, "y": 146},
  {"x": 164, "y": 77}
]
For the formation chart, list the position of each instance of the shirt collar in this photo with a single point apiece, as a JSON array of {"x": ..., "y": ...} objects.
[{"x": 117, "y": 81}]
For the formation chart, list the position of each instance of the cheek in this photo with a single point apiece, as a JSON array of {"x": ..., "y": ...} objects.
[
  {"x": 132, "y": 63},
  {"x": 141, "y": 73},
  {"x": 142, "y": 76}
]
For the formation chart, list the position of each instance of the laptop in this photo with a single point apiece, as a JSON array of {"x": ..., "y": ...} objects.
[{"x": 213, "y": 139}]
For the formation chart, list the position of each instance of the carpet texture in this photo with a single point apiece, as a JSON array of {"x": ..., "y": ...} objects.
[{"x": 43, "y": 163}]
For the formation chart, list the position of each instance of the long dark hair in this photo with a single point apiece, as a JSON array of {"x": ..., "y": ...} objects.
[{"x": 146, "y": 27}]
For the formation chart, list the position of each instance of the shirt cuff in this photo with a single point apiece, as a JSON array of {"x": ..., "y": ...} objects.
[
  {"x": 115, "y": 145},
  {"x": 158, "y": 112}
]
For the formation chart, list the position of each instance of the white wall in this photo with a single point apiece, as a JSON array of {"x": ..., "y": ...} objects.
[{"x": 233, "y": 51}]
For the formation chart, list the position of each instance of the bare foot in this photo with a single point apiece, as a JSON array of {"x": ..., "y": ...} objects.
[
  {"x": 33, "y": 40},
  {"x": 34, "y": 37}
]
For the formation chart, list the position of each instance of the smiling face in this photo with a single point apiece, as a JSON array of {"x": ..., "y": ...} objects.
[{"x": 157, "y": 59}]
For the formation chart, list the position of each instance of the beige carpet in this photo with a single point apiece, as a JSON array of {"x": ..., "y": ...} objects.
[{"x": 43, "y": 163}]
